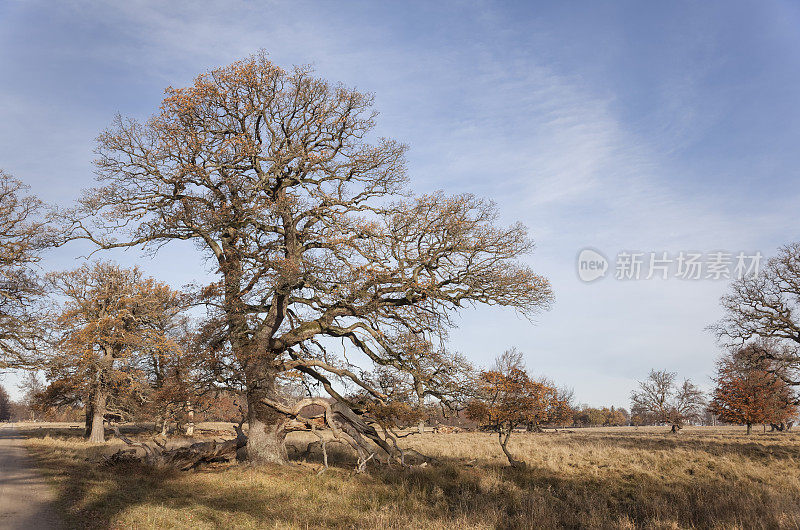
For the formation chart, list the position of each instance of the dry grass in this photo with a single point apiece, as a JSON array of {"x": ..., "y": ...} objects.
[{"x": 704, "y": 478}]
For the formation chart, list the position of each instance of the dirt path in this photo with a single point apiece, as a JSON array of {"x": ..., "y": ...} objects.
[{"x": 25, "y": 498}]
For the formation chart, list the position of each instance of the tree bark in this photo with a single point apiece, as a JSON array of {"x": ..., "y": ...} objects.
[
  {"x": 88, "y": 415},
  {"x": 97, "y": 433},
  {"x": 265, "y": 439},
  {"x": 749, "y": 427},
  {"x": 183, "y": 458},
  {"x": 421, "y": 426},
  {"x": 190, "y": 419}
]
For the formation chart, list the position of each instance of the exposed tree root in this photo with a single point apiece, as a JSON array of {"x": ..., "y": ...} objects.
[{"x": 347, "y": 428}]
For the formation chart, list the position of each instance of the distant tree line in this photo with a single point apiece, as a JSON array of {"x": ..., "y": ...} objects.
[
  {"x": 21, "y": 410},
  {"x": 586, "y": 416}
]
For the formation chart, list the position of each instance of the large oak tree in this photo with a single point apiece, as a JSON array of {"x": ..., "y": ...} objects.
[{"x": 277, "y": 178}]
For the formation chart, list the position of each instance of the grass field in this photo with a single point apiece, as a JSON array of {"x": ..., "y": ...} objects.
[{"x": 616, "y": 477}]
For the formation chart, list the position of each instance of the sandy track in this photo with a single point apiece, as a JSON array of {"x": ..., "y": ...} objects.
[{"x": 25, "y": 497}]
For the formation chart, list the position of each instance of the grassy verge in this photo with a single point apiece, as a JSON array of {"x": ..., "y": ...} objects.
[{"x": 619, "y": 478}]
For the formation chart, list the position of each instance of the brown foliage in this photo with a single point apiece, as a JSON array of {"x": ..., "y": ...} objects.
[
  {"x": 509, "y": 398},
  {"x": 110, "y": 317},
  {"x": 750, "y": 391}
]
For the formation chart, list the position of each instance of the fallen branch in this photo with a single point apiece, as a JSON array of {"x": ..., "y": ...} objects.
[{"x": 156, "y": 454}]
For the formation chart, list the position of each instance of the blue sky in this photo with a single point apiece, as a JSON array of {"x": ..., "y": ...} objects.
[{"x": 628, "y": 125}]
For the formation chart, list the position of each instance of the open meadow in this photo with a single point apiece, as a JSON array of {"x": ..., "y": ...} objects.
[{"x": 626, "y": 477}]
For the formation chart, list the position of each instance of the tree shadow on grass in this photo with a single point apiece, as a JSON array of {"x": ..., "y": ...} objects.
[
  {"x": 449, "y": 494},
  {"x": 540, "y": 498},
  {"x": 91, "y": 495}
]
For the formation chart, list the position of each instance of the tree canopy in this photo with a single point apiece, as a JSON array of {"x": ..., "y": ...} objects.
[
  {"x": 24, "y": 234},
  {"x": 507, "y": 397},
  {"x": 109, "y": 319},
  {"x": 275, "y": 176},
  {"x": 663, "y": 399},
  {"x": 766, "y": 306},
  {"x": 750, "y": 391}
]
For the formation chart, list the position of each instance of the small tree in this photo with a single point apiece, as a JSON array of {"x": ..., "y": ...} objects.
[
  {"x": 32, "y": 389},
  {"x": 107, "y": 320},
  {"x": 665, "y": 401},
  {"x": 749, "y": 391},
  {"x": 509, "y": 398}
]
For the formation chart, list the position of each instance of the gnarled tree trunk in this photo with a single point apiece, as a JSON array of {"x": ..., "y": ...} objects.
[
  {"x": 504, "y": 435},
  {"x": 97, "y": 432},
  {"x": 89, "y": 415},
  {"x": 265, "y": 439},
  {"x": 183, "y": 458}
]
